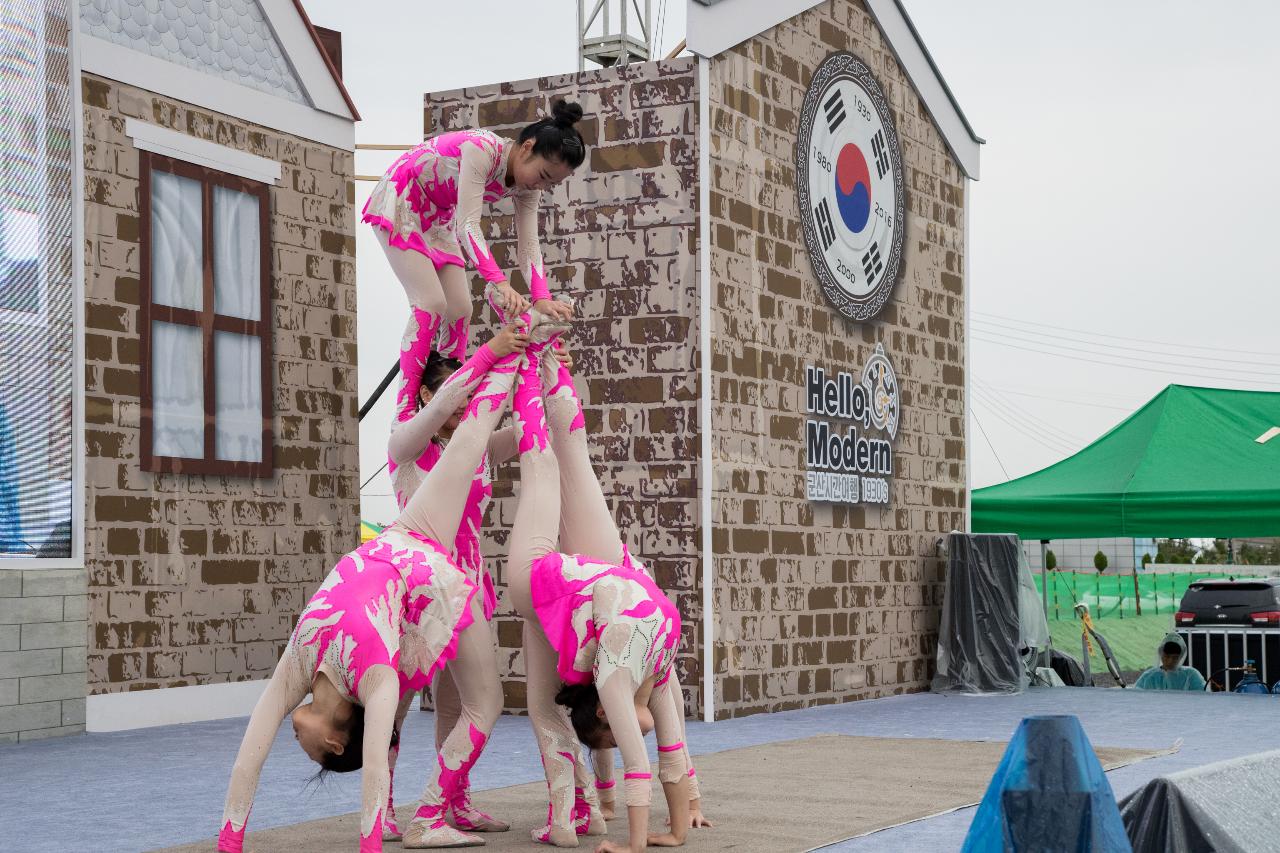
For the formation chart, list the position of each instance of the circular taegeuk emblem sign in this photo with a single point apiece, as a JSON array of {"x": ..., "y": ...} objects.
[{"x": 849, "y": 182}]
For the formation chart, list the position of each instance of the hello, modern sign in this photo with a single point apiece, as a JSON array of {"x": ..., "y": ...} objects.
[{"x": 849, "y": 432}]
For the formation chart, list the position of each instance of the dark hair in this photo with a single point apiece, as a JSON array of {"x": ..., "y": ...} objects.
[
  {"x": 555, "y": 137},
  {"x": 1171, "y": 648},
  {"x": 582, "y": 700},
  {"x": 437, "y": 369},
  {"x": 352, "y": 757}
]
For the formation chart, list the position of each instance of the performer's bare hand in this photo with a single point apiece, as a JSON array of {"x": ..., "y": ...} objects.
[
  {"x": 562, "y": 356},
  {"x": 510, "y": 338},
  {"x": 555, "y": 309},
  {"x": 512, "y": 303}
]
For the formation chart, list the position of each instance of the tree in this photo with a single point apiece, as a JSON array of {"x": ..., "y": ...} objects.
[
  {"x": 1100, "y": 562},
  {"x": 1050, "y": 560},
  {"x": 1146, "y": 560}
]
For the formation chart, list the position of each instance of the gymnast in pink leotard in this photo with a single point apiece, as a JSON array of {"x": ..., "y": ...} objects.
[
  {"x": 414, "y": 449},
  {"x": 426, "y": 212},
  {"x": 383, "y": 623},
  {"x": 594, "y": 618}
]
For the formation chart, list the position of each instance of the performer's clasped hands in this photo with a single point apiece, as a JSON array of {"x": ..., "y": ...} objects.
[{"x": 414, "y": 606}]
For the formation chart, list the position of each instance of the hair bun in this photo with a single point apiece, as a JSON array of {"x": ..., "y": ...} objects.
[{"x": 566, "y": 114}]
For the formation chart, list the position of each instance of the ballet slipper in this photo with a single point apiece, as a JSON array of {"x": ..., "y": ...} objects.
[
  {"x": 467, "y": 817},
  {"x": 493, "y": 295},
  {"x": 543, "y": 329},
  {"x": 426, "y": 834},
  {"x": 555, "y": 836}
]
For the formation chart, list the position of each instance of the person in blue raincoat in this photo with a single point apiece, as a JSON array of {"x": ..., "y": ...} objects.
[{"x": 1170, "y": 674}]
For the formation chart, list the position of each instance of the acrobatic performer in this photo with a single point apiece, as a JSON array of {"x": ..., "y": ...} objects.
[
  {"x": 383, "y": 622},
  {"x": 603, "y": 624},
  {"x": 587, "y": 528},
  {"x": 414, "y": 449},
  {"x": 426, "y": 212}
]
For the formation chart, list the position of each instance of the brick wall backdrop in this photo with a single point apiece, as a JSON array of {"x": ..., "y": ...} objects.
[
  {"x": 619, "y": 237},
  {"x": 197, "y": 579},
  {"x": 820, "y": 603}
]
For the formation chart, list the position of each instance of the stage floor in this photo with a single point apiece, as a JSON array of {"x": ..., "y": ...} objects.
[{"x": 151, "y": 788}]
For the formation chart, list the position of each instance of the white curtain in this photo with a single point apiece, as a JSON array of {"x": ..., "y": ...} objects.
[
  {"x": 177, "y": 259},
  {"x": 177, "y": 391},
  {"x": 237, "y": 254},
  {"x": 237, "y": 366}
]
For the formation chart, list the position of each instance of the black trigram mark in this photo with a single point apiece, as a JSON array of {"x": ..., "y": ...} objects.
[
  {"x": 826, "y": 232},
  {"x": 871, "y": 264},
  {"x": 834, "y": 108},
  {"x": 881, "y": 155}
]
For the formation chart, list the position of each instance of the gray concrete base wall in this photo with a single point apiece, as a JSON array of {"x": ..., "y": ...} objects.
[{"x": 43, "y": 637}]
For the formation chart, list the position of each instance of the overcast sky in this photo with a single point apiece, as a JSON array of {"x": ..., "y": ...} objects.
[{"x": 1120, "y": 230}]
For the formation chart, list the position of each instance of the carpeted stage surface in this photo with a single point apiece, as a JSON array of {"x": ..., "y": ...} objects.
[{"x": 775, "y": 798}]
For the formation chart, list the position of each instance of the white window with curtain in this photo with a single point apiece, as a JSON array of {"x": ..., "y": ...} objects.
[
  {"x": 41, "y": 269},
  {"x": 206, "y": 336}
]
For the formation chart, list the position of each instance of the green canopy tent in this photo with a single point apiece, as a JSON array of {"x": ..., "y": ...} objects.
[{"x": 1192, "y": 462}]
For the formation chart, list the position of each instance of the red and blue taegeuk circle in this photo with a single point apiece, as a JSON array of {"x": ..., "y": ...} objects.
[{"x": 853, "y": 188}]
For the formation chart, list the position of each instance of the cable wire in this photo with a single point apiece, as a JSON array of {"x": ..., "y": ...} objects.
[
  {"x": 978, "y": 421},
  {"x": 1176, "y": 345},
  {"x": 1196, "y": 360},
  {"x": 1177, "y": 373}
]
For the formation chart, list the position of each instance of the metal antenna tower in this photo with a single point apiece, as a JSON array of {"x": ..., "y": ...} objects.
[{"x": 614, "y": 45}]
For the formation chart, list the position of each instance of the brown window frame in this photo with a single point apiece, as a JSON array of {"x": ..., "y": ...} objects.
[{"x": 206, "y": 320}]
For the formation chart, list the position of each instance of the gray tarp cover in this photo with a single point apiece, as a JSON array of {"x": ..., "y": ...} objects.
[
  {"x": 1228, "y": 807},
  {"x": 979, "y": 639}
]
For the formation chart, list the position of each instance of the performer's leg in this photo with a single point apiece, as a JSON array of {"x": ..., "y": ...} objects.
[
  {"x": 587, "y": 526},
  {"x": 448, "y": 705},
  {"x": 533, "y": 535},
  {"x": 435, "y": 509},
  {"x": 427, "y": 306},
  {"x": 586, "y": 523},
  {"x": 455, "y": 329},
  {"x": 475, "y": 673},
  {"x": 462, "y": 813}
]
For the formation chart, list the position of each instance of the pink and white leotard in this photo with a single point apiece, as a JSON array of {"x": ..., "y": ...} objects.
[
  {"x": 611, "y": 625},
  {"x": 429, "y": 202},
  {"x": 602, "y": 618},
  {"x": 398, "y": 600}
]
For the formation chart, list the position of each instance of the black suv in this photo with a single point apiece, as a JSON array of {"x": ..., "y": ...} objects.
[
  {"x": 1254, "y": 602},
  {"x": 1225, "y": 624}
]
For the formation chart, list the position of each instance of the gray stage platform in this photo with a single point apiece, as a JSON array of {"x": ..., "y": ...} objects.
[{"x": 131, "y": 791}]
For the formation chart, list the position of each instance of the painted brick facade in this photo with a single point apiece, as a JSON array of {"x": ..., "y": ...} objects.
[
  {"x": 619, "y": 237},
  {"x": 814, "y": 603},
  {"x": 198, "y": 579},
  {"x": 819, "y": 603}
]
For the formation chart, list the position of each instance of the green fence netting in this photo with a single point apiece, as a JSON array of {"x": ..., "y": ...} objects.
[{"x": 1112, "y": 596}]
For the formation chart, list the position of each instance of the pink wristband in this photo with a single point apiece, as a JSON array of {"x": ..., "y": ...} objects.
[
  {"x": 604, "y": 786},
  {"x": 673, "y": 748},
  {"x": 637, "y": 775}
]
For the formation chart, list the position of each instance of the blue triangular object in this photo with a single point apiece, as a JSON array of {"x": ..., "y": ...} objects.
[{"x": 1049, "y": 795}]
